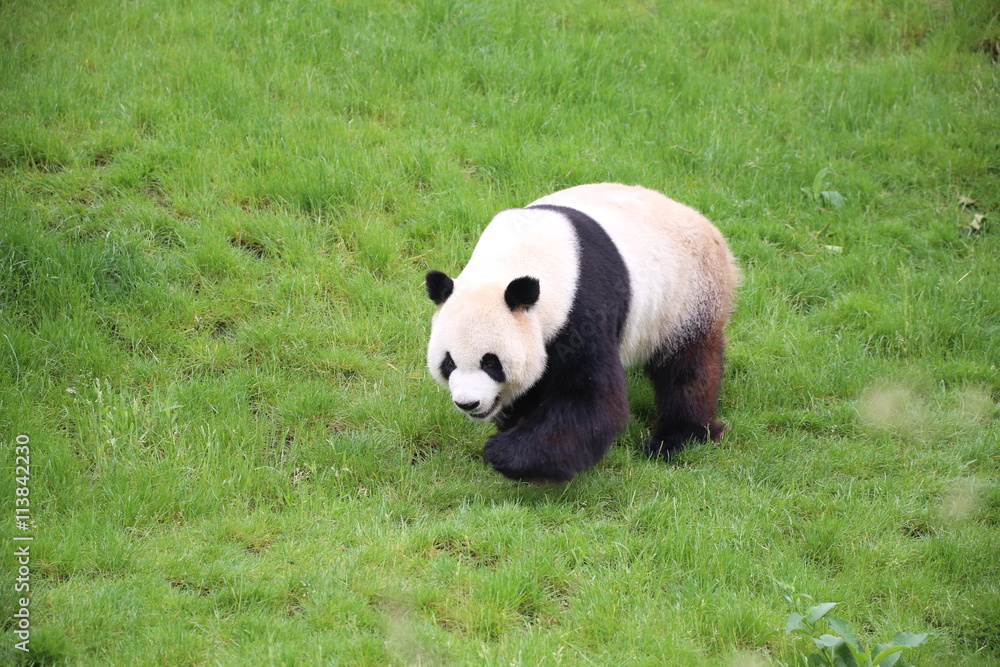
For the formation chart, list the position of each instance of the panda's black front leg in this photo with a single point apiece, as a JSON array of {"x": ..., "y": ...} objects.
[
  {"x": 562, "y": 436},
  {"x": 528, "y": 455},
  {"x": 513, "y": 453}
]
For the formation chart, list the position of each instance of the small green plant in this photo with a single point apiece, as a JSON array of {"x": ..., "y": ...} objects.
[
  {"x": 822, "y": 197},
  {"x": 837, "y": 644}
]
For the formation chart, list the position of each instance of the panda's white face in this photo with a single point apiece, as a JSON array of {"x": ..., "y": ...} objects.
[{"x": 484, "y": 351}]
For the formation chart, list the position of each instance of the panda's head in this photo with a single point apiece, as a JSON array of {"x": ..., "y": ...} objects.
[{"x": 486, "y": 346}]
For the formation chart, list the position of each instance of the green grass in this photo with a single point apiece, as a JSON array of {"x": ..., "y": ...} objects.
[{"x": 215, "y": 223}]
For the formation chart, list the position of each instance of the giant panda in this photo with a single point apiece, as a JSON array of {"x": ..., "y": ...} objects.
[{"x": 558, "y": 299}]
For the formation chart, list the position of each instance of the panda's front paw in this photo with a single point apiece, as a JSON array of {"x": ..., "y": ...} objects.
[
  {"x": 499, "y": 453},
  {"x": 510, "y": 456}
]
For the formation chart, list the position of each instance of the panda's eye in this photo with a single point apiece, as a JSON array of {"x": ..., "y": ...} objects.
[
  {"x": 491, "y": 366},
  {"x": 448, "y": 365}
]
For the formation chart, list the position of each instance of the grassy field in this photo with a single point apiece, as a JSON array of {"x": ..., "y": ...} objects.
[{"x": 215, "y": 222}]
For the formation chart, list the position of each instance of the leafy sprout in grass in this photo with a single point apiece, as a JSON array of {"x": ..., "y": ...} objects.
[
  {"x": 821, "y": 196},
  {"x": 836, "y": 643}
]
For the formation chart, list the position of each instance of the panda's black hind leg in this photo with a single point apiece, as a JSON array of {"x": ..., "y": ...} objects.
[{"x": 686, "y": 387}]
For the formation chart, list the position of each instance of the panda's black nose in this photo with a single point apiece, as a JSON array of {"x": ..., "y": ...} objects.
[{"x": 467, "y": 407}]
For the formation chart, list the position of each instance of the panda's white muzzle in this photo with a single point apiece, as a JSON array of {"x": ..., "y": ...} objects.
[
  {"x": 475, "y": 393},
  {"x": 475, "y": 411}
]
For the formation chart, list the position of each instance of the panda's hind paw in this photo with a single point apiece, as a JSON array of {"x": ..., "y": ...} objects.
[
  {"x": 664, "y": 449},
  {"x": 667, "y": 445}
]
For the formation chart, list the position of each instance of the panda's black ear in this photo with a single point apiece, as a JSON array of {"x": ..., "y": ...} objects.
[
  {"x": 522, "y": 292},
  {"x": 439, "y": 286}
]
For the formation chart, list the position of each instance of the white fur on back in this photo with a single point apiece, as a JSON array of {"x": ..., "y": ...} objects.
[{"x": 679, "y": 267}]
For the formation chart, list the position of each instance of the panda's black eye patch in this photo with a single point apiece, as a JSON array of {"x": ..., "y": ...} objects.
[
  {"x": 448, "y": 365},
  {"x": 491, "y": 366}
]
